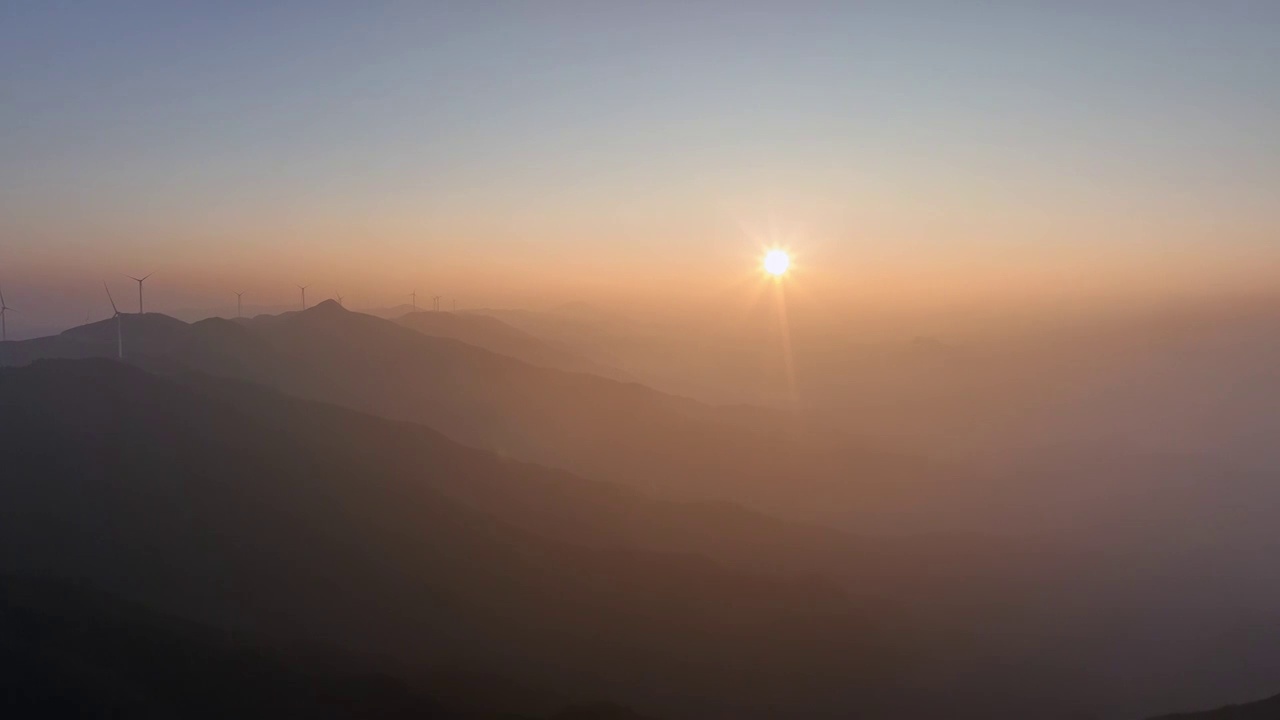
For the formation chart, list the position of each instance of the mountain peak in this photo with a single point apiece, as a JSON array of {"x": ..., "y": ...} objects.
[
  {"x": 328, "y": 307},
  {"x": 152, "y": 323}
]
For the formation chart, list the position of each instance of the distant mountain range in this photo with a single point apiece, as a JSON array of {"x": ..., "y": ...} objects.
[
  {"x": 623, "y": 432},
  {"x": 591, "y": 425},
  {"x": 496, "y": 336}
]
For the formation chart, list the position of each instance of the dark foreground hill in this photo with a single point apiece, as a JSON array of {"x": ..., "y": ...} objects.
[
  {"x": 255, "y": 513},
  {"x": 1268, "y": 709},
  {"x": 73, "y": 652}
]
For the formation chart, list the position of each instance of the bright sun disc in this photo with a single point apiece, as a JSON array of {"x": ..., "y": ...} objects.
[{"x": 776, "y": 262}]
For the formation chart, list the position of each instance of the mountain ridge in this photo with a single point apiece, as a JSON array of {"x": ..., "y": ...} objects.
[
  {"x": 492, "y": 334},
  {"x": 237, "y": 511}
]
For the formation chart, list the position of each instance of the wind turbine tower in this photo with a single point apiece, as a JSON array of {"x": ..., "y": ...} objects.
[
  {"x": 414, "y": 295},
  {"x": 303, "y": 288},
  {"x": 436, "y": 302},
  {"x": 118, "y": 317},
  {"x": 339, "y": 296},
  {"x": 238, "y": 296},
  {"x": 139, "y": 281}
]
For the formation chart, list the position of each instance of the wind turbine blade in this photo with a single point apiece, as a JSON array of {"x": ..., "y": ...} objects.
[
  {"x": 112, "y": 299},
  {"x": 144, "y": 277}
]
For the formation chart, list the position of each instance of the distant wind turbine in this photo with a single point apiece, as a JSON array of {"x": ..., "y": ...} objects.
[
  {"x": 139, "y": 281},
  {"x": 303, "y": 288},
  {"x": 238, "y": 296},
  {"x": 4, "y": 328},
  {"x": 340, "y": 299},
  {"x": 455, "y": 304},
  {"x": 118, "y": 317},
  {"x": 4, "y": 309},
  {"x": 436, "y": 302},
  {"x": 414, "y": 295}
]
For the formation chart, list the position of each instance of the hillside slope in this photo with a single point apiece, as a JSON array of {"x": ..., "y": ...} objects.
[
  {"x": 261, "y": 514},
  {"x": 592, "y": 426},
  {"x": 72, "y": 652},
  {"x": 492, "y": 334}
]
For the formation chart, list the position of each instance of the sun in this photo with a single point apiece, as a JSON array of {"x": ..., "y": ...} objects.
[{"x": 776, "y": 262}]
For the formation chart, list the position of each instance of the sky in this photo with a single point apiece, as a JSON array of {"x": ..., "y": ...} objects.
[{"x": 510, "y": 152}]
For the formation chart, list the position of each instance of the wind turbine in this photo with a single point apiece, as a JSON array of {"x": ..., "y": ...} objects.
[
  {"x": 340, "y": 299},
  {"x": 139, "y": 281},
  {"x": 436, "y": 299},
  {"x": 118, "y": 317},
  {"x": 4, "y": 329},
  {"x": 303, "y": 288},
  {"x": 238, "y": 296},
  {"x": 414, "y": 295}
]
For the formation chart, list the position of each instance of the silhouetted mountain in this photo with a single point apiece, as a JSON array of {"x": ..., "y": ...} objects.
[
  {"x": 159, "y": 342},
  {"x": 590, "y": 425},
  {"x": 393, "y": 312},
  {"x": 593, "y": 335},
  {"x": 494, "y": 335},
  {"x": 1268, "y": 709},
  {"x": 294, "y": 522},
  {"x": 73, "y": 652},
  {"x": 290, "y": 520},
  {"x": 384, "y": 369},
  {"x": 680, "y": 448}
]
